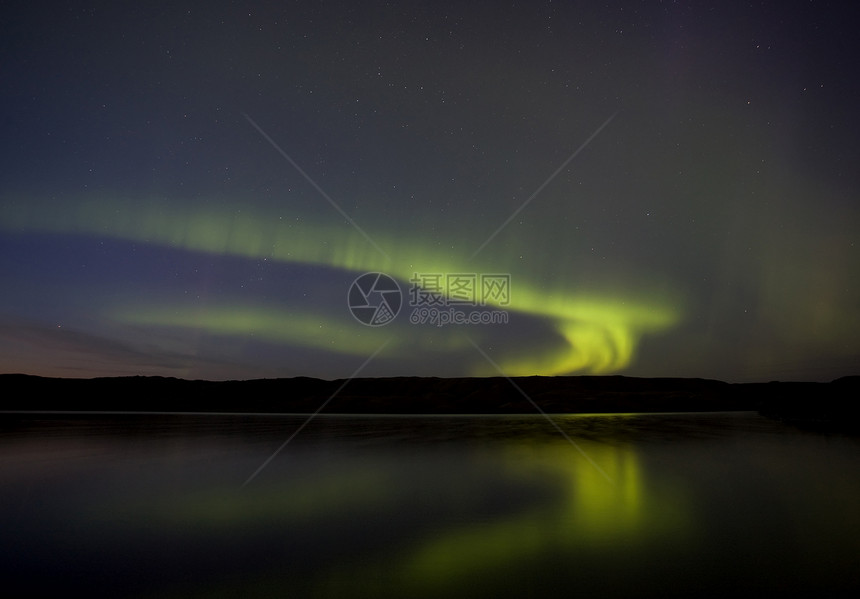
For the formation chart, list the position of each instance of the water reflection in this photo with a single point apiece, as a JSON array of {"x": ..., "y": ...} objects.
[
  {"x": 704, "y": 504},
  {"x": 590, "y": 513}
]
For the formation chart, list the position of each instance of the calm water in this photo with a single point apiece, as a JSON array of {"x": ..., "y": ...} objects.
[{"x": 636, "y": 505}]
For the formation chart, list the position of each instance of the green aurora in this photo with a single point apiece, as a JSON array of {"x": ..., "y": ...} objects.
[
  {"x": 599, "y": 332},
  {"x": 672, "y": 189}
]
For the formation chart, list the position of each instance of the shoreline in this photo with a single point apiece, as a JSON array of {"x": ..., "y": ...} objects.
[{"x": 830, "y": 403}]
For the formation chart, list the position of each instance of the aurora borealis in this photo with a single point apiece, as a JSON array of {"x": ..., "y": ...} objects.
[{"x": 190, "y": 189}]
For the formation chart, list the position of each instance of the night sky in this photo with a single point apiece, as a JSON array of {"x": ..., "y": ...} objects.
[{"x": 648, "y": 189}]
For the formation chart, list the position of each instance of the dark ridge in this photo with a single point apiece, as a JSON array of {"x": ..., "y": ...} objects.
[{"x": 801, "y": 402}]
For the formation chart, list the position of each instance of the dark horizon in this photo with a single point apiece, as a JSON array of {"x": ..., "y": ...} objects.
[
  {"x": 502, "y": 376},
  {"x": 831, "y": 406}
]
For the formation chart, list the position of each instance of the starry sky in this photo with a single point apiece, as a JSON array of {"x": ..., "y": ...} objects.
[{"x": 193, "y": 189}]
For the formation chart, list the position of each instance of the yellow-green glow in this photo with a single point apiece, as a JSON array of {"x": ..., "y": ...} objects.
[
  {"x": 598, "y": 330},
  {"x": 601, "y": 335},
  {"x": 583, "y": 515},
  {"x": 269, "y": 324},
  {"x": 592, "y": 512}
]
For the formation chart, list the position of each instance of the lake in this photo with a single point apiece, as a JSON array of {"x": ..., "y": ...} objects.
[{"x": 656, "y": 505}]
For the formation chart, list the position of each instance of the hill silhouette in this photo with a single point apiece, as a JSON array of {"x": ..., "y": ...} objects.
[{"x": 831, "y": 403}]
